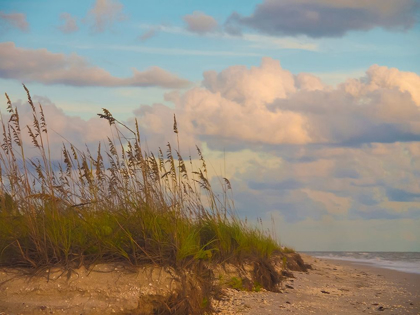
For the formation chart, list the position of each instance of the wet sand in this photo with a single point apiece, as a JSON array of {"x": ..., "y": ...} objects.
[{"x": 333, "y": 287}]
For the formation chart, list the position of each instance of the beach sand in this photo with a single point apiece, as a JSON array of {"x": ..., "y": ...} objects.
[{"x": 333, "y": 287}]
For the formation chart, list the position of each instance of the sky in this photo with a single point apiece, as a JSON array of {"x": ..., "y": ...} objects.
[{"x": 310, "y": 107}]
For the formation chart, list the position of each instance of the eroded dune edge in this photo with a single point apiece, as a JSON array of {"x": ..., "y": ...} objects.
[
  {"x": 327, "y": 287},
  {"x": 123, "y": 289}
]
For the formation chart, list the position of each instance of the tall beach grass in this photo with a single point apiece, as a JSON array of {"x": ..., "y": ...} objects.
[{"x": 121, "y": 203}]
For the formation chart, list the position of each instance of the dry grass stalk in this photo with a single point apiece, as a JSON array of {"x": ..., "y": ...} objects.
[{"x": 121, "y": 203}]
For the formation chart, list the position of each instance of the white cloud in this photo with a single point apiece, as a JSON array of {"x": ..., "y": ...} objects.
[
  {"x": 232, "y": 105},
  {"x": 389, "y": 78},
  {"x": 268, "y": 105},
  {"x": 253, "y": 87}
]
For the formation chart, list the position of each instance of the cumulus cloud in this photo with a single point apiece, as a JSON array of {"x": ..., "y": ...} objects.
[
  {"x": 200, "y": 23},
  {"x": 386, "y": 78},
  {"x": 104, "y": 14},
  {"x": 232, "y": 105},
  {"x": 268, "y": 105},
  {"x": 325, "y": 18},
  {"x": 13, "y": 20},
  {"x": 312, "y": 154},
  {"x": 43, "y": 66},
  {"x": 69, "y": 23},
  {"x": 337, "y": 117},
  {"x": 308, "y": 82}
]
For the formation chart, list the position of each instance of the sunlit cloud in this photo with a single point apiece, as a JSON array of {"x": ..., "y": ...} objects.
[{"x": 268, "y": 105}]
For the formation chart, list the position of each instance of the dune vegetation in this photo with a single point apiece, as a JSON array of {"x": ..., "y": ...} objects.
[{"x": 118, "y": 204}]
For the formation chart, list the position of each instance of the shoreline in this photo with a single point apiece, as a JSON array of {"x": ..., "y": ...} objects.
[
  {"x": 378, "y": 260},
  {"x": 407, "y": 279}
]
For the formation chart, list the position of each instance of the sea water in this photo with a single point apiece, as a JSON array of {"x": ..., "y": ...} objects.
[{"x": 401, "y": 261}]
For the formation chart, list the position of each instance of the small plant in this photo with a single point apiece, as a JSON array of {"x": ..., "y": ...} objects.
[
  {"x": 236, "y": 283},
  {"x": 241, "y": 284},
  {"x": 205, "y": 302},
  {"x": 284, "y": 261},
  {"x": 257, "y": 287},
  {"x": 287, "y": 250}
]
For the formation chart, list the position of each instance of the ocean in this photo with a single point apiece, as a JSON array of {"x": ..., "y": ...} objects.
[{"x": 401, "y": 261}]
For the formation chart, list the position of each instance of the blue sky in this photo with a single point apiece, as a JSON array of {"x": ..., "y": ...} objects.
[{"x": 315, "y": 102}]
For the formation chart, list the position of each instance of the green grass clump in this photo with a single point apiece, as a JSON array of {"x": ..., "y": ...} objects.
[
  {"x": 236, "y": 283},
  {"x": 120, "y": 204},
  {"x": 287, "y": 250},
  {"x": 240, "y": 284}
]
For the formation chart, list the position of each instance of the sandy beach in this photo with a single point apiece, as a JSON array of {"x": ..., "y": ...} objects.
[{"x": 333, "y": 287}]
